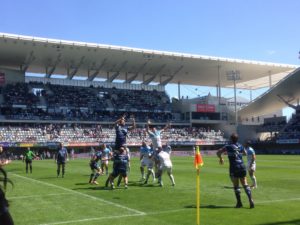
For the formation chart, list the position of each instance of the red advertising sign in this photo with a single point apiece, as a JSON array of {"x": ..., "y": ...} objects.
[{"x": 206, "y": 108}]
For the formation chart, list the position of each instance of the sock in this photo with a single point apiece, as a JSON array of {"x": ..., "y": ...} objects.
[
  {"x": 119, "y": 181},
  {"x": 237, "y": 192},
  {"x": 106, "y": 182},
  {"x": 91, "y": 177},
  {"x": 96, "y": 176},
  {"x": 153, "y": 174},
  {"x": 253, "y": 178},
  {"x": 142, "y": 173},
  {"x": 172, "y": 179},
  {"x": 148, "y": 175},
  {"x": 248, "y": 192}
]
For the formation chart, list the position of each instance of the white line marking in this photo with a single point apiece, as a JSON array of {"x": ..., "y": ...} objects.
[
  {"x": 113, "y": 217},
  {"x": 82, "y": 194},
  {"x": 152, "y": 213},
  {"x": 278, "y": 200},
  {"x": 90, "y": 219},
  {"x": 37, "y": 196}
]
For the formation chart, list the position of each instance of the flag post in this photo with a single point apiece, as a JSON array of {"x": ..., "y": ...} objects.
[
  {"x": 198, "y": 196},
  {"x": 198, "y": 162}
]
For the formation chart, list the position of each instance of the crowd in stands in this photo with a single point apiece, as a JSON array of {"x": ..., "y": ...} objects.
[
  {"x": 96, "y": 133},
  {"x": 38, "y": 101},
  {"x": 18, "y": 94},
  {"x": 292, "y": 129},
  {"x": 70, "y": 106},
  {"x": 282, "y": 130}
]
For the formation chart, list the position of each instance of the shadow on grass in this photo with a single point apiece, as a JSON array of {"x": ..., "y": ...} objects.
[
  {"x": 210, "y": 206},
  {"x": 84, "y": 183},
  {"x": 228, "y": 187},
  {"x": 49, "y": 178},
  {"x": 13, "y": 170},
  {"x": 95, "y": 188},
  {"x": 141, "y": 184},
  {"x": 290, "y": 222}
]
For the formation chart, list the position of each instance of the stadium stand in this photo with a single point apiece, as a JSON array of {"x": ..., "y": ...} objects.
[
  {"x": 35, "y": 112},
  {"x": 96, "y": 133},
  {"x": 56, "y": 102}
]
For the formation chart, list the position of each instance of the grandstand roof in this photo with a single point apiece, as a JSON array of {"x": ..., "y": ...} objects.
[
  {"x": 270, "y": 101},
  {"x": 90, "y": 60}
]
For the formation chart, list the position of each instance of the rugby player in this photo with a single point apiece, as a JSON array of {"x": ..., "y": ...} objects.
[
  {"x": 95, "y": 167},
  {"x": 29, "y": 155},
  {"x": 146, "y": 158},
  {"x": 251, "y": 164},
  {"x": 164, "y": 164},
  {"x": 237, "y": 169},
  {"x": 61, "y": 157}
]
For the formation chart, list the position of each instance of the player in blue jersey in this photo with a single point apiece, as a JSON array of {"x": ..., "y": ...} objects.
[
  {"x": 237, "y": 168},
  {"x": 106, "y": 155},
  {"x": 121, "y": 132},
  {"x": 95, "y": 166},
  {"x": 120, "y": 166},
  {"x": 251, "y": 164},
  {"x": 146, "y": 158},
  {"x": 5, "y": 217},
  {"x": 127, "y": 151},
  {"x": 61, "y": 158}
]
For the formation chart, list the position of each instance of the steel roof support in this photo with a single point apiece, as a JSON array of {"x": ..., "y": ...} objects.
[
  {"x": 72, "y": 73},
  {"x": 92, "y": 76}
]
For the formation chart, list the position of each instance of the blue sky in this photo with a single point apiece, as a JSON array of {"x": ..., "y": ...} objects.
[{"x": 263, "y": 30}]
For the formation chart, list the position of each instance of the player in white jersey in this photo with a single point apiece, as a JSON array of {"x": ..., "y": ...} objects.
[
  {"x": 106, "y": 156},
  {"x": 146, "y": 158},
  {"x": 251, "y": 165},
  {"x": 167, "y": 148},
  {"x": 155, "y": 134},
  {"x": 164, "y": 164}
]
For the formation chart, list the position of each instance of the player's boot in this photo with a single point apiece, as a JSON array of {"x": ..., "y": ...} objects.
[
  {"x": 239, "y": 205},
  {"x": 251, "y": 204},
  {"x": 112, "y": 186},
  {"x": 95, "y": 182}
]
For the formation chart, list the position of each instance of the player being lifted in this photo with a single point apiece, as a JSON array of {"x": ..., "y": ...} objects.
[
  {"x": 95, "y": 167},
  {"x": 155, "y": 134},
  {"x": 146, "y": 158},
  {"x": 122, "y": 131}
]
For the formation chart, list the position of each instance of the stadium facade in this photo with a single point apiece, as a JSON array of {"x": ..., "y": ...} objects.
[{"x": 72, "y": 92}]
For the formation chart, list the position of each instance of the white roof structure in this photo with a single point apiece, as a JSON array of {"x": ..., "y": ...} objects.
[
  {"x": 270, "y": 101},
  {"x": 89, "y": 60}
]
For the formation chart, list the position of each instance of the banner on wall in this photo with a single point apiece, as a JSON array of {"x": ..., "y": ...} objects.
[{"x": 205, "y": 108}]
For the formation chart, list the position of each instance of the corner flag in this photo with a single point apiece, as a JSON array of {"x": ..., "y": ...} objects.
[
  {"x": 198, "y": 158},
  {"x": 198, "y": 162}
]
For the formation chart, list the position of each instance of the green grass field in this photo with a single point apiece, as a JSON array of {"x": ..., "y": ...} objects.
[{"x": 42, "y": 198}]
